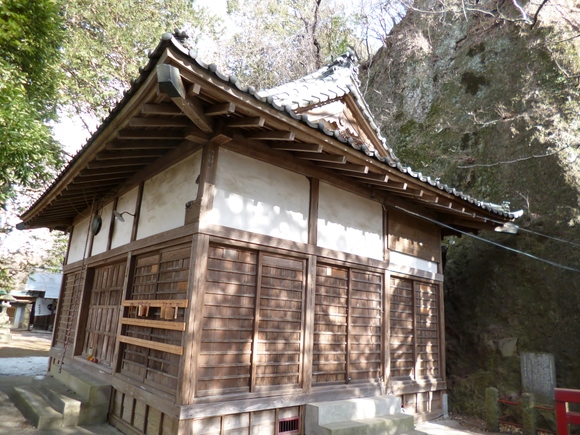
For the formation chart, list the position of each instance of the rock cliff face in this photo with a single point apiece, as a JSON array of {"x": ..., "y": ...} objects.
[{"x": 461, "y": 89}]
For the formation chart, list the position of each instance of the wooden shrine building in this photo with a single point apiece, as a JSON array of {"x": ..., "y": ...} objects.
[{"x": 235, "y": 254}]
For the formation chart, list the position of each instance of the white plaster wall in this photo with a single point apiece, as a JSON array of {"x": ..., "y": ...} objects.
[
  {"x": 100, "y": 240},
  {"x": 78, "y": 241},
  {"x": 259, "y": 197},
  {"x": 165, "y": 195},
  {"x": 396, "y": 258},
  {"x": 122, "y": 230},
  {"x": 349, "y": 223}
]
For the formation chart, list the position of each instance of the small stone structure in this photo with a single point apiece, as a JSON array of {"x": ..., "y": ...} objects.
[
  {"x": 5, "y": 336},
  {"x": 539, "y": 376}
]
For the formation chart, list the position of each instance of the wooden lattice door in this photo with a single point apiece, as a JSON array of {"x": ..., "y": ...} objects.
[
  {"x": 103, "y": 313},
  {"x": 347, "y": 325}
]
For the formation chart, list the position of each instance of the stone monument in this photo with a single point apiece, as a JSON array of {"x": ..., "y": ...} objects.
[
  {"x": 5, "y": 336},
  {"x": 539, "y": 376}
]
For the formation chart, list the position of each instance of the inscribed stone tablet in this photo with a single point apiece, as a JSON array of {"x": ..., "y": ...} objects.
[{"x": 539, "y": 376}]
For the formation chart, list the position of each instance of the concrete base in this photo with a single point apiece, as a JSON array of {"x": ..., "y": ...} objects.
[
  {"x": 49, "y": 403},
  {"x": 365, "y": 416},
  {"x": 35, "y": 409}
]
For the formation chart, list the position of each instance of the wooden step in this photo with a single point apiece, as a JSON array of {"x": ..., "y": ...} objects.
[{"x": 37, "y": 411}]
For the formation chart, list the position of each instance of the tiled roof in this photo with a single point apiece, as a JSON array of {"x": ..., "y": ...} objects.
[{"x": 332, "y": 81}]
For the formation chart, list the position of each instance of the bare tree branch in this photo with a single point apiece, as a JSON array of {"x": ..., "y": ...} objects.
[
  {"x": 538, "y": 13},
  {"x": 535, "y": 156}
]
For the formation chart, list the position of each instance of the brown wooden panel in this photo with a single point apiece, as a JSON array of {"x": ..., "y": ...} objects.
[
  {"x": 103, "y": 314},
  {"x": 330, "y": 325},
  {"x": 281, "y": 321},
  {"x": 228, "y": 322},
  {"x": 427, "y": 335},
  {"x": 413, "y": 236},
  {"x": 402, "y": 339},
  {"x": 152, "y": 354}
]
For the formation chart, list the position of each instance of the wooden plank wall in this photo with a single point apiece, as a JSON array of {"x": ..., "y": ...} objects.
[
  {"x": 228, "y": 322},
  {"x": 347, "y": 325},
  {"x": 415, "y": 329},
  {"x": 160, "y": 276},
  {"x": 402, "y": 339},
  {"x": 427, "y": 335},
  {"x": 252, "y": 322},
  {"x": 330, "y": 326},
  {"x": 250, "y": 423},
  {"x": 103, "y": 316},
  {"x": 133, "y": 416}
]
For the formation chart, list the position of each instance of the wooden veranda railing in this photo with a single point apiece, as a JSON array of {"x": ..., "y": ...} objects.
[{"x": 564, "y": 396}]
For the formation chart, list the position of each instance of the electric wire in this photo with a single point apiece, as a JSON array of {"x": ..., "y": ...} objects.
[
  {"x": 517, "y": 251},
  {"x": 472, "y": 215}
]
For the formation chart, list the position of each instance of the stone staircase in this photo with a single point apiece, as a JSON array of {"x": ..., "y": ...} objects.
[
  {"x": 368, "y": 416},
  {"x": 69, "y": 398}
]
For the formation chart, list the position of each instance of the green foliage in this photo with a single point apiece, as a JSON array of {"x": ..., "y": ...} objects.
[
  {"x": 107, "y": 41},
  {"x": 29, "y": 80}
]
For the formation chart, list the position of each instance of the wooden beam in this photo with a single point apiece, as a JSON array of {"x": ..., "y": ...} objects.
[
  {"x": 81, "y": 187},
  {"x": 271, "y": 135},
  {"x": 248, "y": 122},
  {"x": 169, "y": 79},
  {"x": 331, "y": 158},
  {"x": 193, "y": 90},
  {"x": 159, "y": 122},
  {"x": 160, "y": 109},
  {"x": 348, "y": 167},
  {"x": 383, "y": 178},
  {"x": 220, "y": 109},
  {"x": 299, "y": 147},
  {"x": 120, "y": 163},
  {"x": 82, "y": 180},
  {"x": 195, "y": 135},
  {"x": 161, "y": 324},
  {"x": 193, "y": 109},
  {"x": 155, "y": 345},
  {"x": 150, "y": 134},
  {"x": 143, "y": 144},
  {"x": 135, "y": 154},
  {"x": 107, "y": 171}
]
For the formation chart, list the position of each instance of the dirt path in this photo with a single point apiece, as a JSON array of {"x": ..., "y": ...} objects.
[{"x": 26, "y": 344}]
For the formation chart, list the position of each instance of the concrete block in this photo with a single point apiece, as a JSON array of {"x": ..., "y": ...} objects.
[
  {"x": 528, "y": 414},
  {"x": 89, "y": 388},
  {"x": 36, "y": 410},
  {"x": 59, "y": 397},
  {"x": 321, "y": 413},
  {"x": 385, "y": 425},
  {"x": 492, "y": 409}
]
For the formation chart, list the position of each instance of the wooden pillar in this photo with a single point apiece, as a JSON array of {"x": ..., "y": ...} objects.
[
  {"x": 386, "y": 328},
  {"x": 188, "y": 369},
  {"x": 191, "y": 342},
  {"x": 309, "y": 324},
  {"x": 313, "y": 211}
]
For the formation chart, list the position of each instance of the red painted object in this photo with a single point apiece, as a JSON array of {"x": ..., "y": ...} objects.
[{"x": 563, "y": 396}]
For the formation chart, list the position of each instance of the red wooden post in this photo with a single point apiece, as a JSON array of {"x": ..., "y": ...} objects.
[
  {"x": 561, "y": 420},
  {"x": 563, "y": 396}
]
